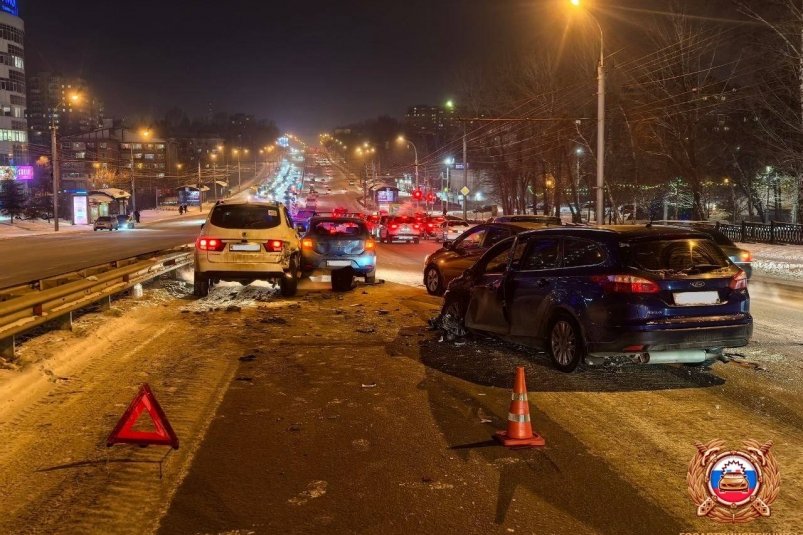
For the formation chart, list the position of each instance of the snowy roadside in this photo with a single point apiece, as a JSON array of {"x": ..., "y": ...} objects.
[
  {"x": 41, "y": 227},
  {"x": 776, "y": 261}
]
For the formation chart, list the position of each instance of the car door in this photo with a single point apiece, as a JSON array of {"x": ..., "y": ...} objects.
[
  {"x": 532, "y": 285},
  {"x": 486, "y": 309},
  {"x": 463, "y": 253}
]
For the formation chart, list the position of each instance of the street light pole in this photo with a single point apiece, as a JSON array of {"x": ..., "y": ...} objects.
[
  {"x": 600, "y": 128},
  {"x": 465, "y": 171},
  {"x": 133, "y": 185},
  {"x": 56, "y": 173}
]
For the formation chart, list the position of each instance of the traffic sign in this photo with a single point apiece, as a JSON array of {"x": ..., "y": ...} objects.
[
  {"x": 124, "y": 433},
  {"x": 465, "y": 191}
]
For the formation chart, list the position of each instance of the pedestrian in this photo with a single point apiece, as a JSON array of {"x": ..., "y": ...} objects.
[
  {"x": 180, "y": 209},
  {"x": 136, "y": 216}
]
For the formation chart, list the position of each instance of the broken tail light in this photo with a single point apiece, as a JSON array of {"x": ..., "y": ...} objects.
[{"x": 274, "y": 246}]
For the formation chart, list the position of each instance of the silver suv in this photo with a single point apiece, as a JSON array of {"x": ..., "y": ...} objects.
[{"x": 246, "y": 241}]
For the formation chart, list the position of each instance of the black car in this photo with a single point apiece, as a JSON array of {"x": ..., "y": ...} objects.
[
  {"x": 454, "y": 257},
  {"x": 656, "y": 294}
]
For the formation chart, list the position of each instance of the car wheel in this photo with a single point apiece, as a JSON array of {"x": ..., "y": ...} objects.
[
  {"x": 565, "y": 344},
  {"x": 453, "y": 318},
  {"x": 433, "y": 280},
  {"x": 416, "y": 241},
  {"x": 288, "y": 286},
  {"x": 342, "y": 280},
  {"x": 200, "y": 285}
]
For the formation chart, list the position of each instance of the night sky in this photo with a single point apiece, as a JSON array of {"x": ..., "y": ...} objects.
[{"x": 309, "y": 65}]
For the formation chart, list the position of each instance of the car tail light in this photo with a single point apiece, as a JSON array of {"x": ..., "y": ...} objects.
[
  {"x": 739, "y": 281},
  {"x": 416, "y": 226},
  {"x": 627, "y": 284},
  {"x": 370, "y": 245},
  {"x": 209, "y": 244},
  {"x": 307, "y": 244},
  {"x": 394, "y": 226},
  {"x": 745, "y": 256},
  {"x": 274, "y": 246}
]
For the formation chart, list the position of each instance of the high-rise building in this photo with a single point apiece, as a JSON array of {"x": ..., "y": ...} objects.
[
  {"x": 69, "y": 103},
  {"x": 13, "y": 126}
]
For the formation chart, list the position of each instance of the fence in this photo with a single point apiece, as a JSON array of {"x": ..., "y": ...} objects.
[{"x": 774, "y": 232}]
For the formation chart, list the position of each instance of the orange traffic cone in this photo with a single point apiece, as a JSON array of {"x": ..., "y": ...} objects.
[{"x": 519, "y": 429}]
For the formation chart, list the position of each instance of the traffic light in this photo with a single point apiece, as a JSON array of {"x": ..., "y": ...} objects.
[{"x": 417, "y": 194}]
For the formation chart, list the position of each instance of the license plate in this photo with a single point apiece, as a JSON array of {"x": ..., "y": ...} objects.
[
  {"x": 250, "y": 247},
  {"x": 338, "y": 263},
  {"x": 697, "y": 298}
]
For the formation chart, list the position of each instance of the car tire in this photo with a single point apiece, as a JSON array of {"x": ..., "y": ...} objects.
[
  {"x": 565, "y": 344},
  {"x": 342, "y": 280},
  {"x": 416, "y": 241},
  {"x": 433, "y": 281},
  {"x": 288, "y": 286},
  {"x": 200, "y": 286}
]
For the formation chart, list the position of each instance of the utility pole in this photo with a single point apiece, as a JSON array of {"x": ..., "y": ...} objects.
[
  {"x": 200, "y": 193},
  {"x": 133, "y": 184},
  {"x": 465, "y": 171},
  {"x": 601, "y": 131},
  {"x": 56, "y": 173}
]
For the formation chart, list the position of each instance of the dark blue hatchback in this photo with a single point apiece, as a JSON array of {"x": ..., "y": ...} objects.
[{"x": 656, "y": 294}]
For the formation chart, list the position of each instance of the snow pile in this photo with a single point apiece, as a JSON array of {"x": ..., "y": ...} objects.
[
  {"x": 782, "y": 261},
  {"x": 233, "y": 296}
]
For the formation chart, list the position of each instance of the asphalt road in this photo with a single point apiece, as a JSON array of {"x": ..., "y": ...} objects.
[{"x": 26, "y": 259}]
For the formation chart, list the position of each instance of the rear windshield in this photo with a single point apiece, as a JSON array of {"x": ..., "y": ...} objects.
[
  {"x": 338, "y": 228},
  {"x": 245, "y": 216},
  {"x": 675, "y": 255},
  {"x": 103, "y": 219}
]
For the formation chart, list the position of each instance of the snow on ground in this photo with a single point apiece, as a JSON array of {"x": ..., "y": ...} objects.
[
  {"x": 781, "y": 261},
  {"x": 36, "y": 227}
]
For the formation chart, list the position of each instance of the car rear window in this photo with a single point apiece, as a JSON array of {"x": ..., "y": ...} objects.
[
  {"x": 245, "y": 216},
  {"x": 339, "y": 228},
  {"x": 675, "y": 254}
]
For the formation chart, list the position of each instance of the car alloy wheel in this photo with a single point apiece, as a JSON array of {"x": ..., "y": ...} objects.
[
  {"x": 565, "y": 347},
  {"x": 434, "y": 282}
]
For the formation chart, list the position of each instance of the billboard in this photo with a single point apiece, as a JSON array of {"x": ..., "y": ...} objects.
[
  {"x": 387, "y": 195},
  {"x": 16, "y": 172},
  {"x": 10, "y": 6},
  {"x": 80, "y": 210}
]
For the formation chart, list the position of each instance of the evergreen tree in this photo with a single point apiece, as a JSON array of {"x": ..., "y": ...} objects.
[{"x": 12, "y": 199}]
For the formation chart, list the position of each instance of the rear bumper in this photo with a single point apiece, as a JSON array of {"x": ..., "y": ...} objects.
[
  {"x": 240, "y": 271},
  {"x": 402, "y": 237},
  {"x": 361, "y": 264},
  {"x": 660, "y": 338}
]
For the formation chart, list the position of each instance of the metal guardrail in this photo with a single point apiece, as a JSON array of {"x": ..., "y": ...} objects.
[
  {"x": 24, "y": 307},
  {"x": 774, "y": 232}
]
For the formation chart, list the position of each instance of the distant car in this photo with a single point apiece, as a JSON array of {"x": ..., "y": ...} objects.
[
  {"x": 543, "y": 219},
  {"x": 351, "y": 183},
  {"x": 125, "y": 222},
  {"x": 741, "y": 257},
  {"x": 654, "y": 294},
  {"x": 244, "y": 241},
  {"x": 401, "y": 228},
  {"x": 451, "y": 229},
  {"x": 106, "y": 223},
  {"x": 458, "y": 255},
  {"x": 340, "y": 245}
]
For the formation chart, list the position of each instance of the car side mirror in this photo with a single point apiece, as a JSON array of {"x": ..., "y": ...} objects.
[{"x": 448, "y": 245}]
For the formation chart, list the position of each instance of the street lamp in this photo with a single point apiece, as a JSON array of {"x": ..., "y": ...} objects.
[
  {"x": 54, "y": 148},
  {"x": 145, "y": 133},
  {"x": 600, "y": 117},
  {"x": 239, "y": 171},
  {"x": 449, "y": 162},
  {"x": 407, "y": 142}
]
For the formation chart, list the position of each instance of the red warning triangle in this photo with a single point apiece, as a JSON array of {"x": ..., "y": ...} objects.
[{"x": 124, "y": 432}]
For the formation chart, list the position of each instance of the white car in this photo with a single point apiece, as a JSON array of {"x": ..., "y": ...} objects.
[
  {"x": 246, "y": 241},
  {"x": 451, "y": 229}
]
